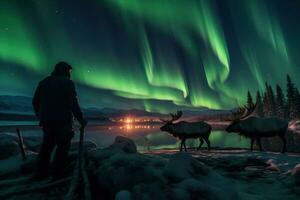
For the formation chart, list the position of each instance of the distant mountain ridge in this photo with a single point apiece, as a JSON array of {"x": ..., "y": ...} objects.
[
  {"x": 13, "y": 106},
  {"x": 20, "y": 104}
]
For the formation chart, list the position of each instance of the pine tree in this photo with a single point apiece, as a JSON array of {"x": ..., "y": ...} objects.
[
  {"x": 291, "y": 98},
  {"x": 265, "y": 105},
  {"x": 297, "y": 104},
  {"x": 249, "y": 100},
  {"x": 280, "y": 103},
  {"x": 271, "y": 99},
  {"x": 259, "y": 105},
  {"x": 266, "y": 102}
]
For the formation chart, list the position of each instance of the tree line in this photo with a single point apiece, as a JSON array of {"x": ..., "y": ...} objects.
[{"x": 283, "y": 105}]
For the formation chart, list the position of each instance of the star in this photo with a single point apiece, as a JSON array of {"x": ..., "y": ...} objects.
[{"x": 59, "y": 12}]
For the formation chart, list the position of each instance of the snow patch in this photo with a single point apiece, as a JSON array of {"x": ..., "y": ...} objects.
[
  {"x": 9, "y": 145},
  {"x": 120, "y": 168}
]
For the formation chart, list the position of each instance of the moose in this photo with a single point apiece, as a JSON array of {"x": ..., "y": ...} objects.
[
  {"x": 255, "y": 128},
  {"x": 185, "y": 130}
]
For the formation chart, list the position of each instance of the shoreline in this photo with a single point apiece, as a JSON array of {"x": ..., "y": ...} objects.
[{"x": 33, "y": 125}]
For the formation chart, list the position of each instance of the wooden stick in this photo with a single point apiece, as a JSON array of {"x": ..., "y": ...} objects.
[
  {"x": 84, "y": 176},
  {"x": 74, "y": 183},
  {"x": 86, "y": 182},
  {"x": 21, "y": 144},
  {"x": 79, "y": 174}
]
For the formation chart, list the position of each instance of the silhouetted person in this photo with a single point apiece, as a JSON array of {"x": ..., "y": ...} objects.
[{"x": 55, "y": 103}]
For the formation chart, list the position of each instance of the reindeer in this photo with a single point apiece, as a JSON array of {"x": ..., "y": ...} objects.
[
  {"x": 256, "y": 128},
  {"x": 184, "y": 130}
]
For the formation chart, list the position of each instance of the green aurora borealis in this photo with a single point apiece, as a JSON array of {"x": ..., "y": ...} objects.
[{"x": 157, "y": 55}]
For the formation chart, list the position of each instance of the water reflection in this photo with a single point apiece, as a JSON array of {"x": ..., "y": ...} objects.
[
  {"x": 130, "y": 127},
  {"x": 148, "y": 136}
]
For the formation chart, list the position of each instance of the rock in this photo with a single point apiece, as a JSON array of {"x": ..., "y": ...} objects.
[
  {"x": 123, "y": 195},
  {"x": 120, "y": 145},
  {"x": 122, "y": 171},
  {"x": 8, "y": 145},
  {"x": 272, "y": 166},
  {"x": 155, "y": 190},
  {"x": 182, "y": 166},
  {"x": 124, "y": 144},
  {"x": 179, "y": 193},
  {"x": 296, "y": 174},
  {"x": 33, "y": 143}
]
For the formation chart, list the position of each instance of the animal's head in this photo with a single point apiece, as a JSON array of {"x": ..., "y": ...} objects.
[
  {"x": 234, "y": 126},
  {"x": 167, "y": 127},
  {"x": 239, "y": 115}
]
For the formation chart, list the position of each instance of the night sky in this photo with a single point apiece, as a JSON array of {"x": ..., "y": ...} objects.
[{"x": 157, "y": 55}]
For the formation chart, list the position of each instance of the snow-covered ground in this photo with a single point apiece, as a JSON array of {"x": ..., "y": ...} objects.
[
  {"x": 121, "y": 172},
  {"x": 254, "y": 175}
]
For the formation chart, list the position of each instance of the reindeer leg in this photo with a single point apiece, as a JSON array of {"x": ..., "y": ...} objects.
[
  {"x": 181, "y": 145},
  {"x": 184, "y": 145},
  {"x": 201, "y": 143},
  {"x": 284, "y": 143},
  {"x": 252, "y": 142},
  {"x": 259, "y": 144},
  {"x": 207, "y": 142}
]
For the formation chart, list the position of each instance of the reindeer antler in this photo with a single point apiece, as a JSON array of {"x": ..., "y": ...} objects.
[
  {"x": 243, "y": 112},
  {"x": 174, "y": 117},
  {"x": 163, "y": 120},
  {"x": 238, "y": 113},
  {"x": 249, "y": 110}
]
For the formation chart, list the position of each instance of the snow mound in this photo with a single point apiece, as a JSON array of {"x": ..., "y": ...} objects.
[
  {"x": 122, "y": 172},
  {"x": 123, "y": 144},
  {"x": 196, "y": 189},
  {"x": 8, "y": 145},
  {"x": 296, "y": 174},
  {"x": 123, "y": 195},
  {"x": 33, "y": 143},
  {"x": 14, "y": 166},
  {"x": 182, "y": 166},
  {"x": 294, "y": 126},
  {"x": 272, "y": 166}
]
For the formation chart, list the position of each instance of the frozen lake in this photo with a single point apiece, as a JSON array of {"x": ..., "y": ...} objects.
[{"x": 144, "y": 135}]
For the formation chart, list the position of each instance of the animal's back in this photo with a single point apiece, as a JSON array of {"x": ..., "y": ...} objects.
[
  {"x": 263, "y": 125},
  {"x": 192, "y": 127}
]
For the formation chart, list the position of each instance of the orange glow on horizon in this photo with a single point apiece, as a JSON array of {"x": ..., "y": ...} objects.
[{"x": 128, "y": 120}]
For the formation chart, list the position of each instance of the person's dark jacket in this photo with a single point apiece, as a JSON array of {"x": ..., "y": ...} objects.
[{"x": 55, "y": 99}]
